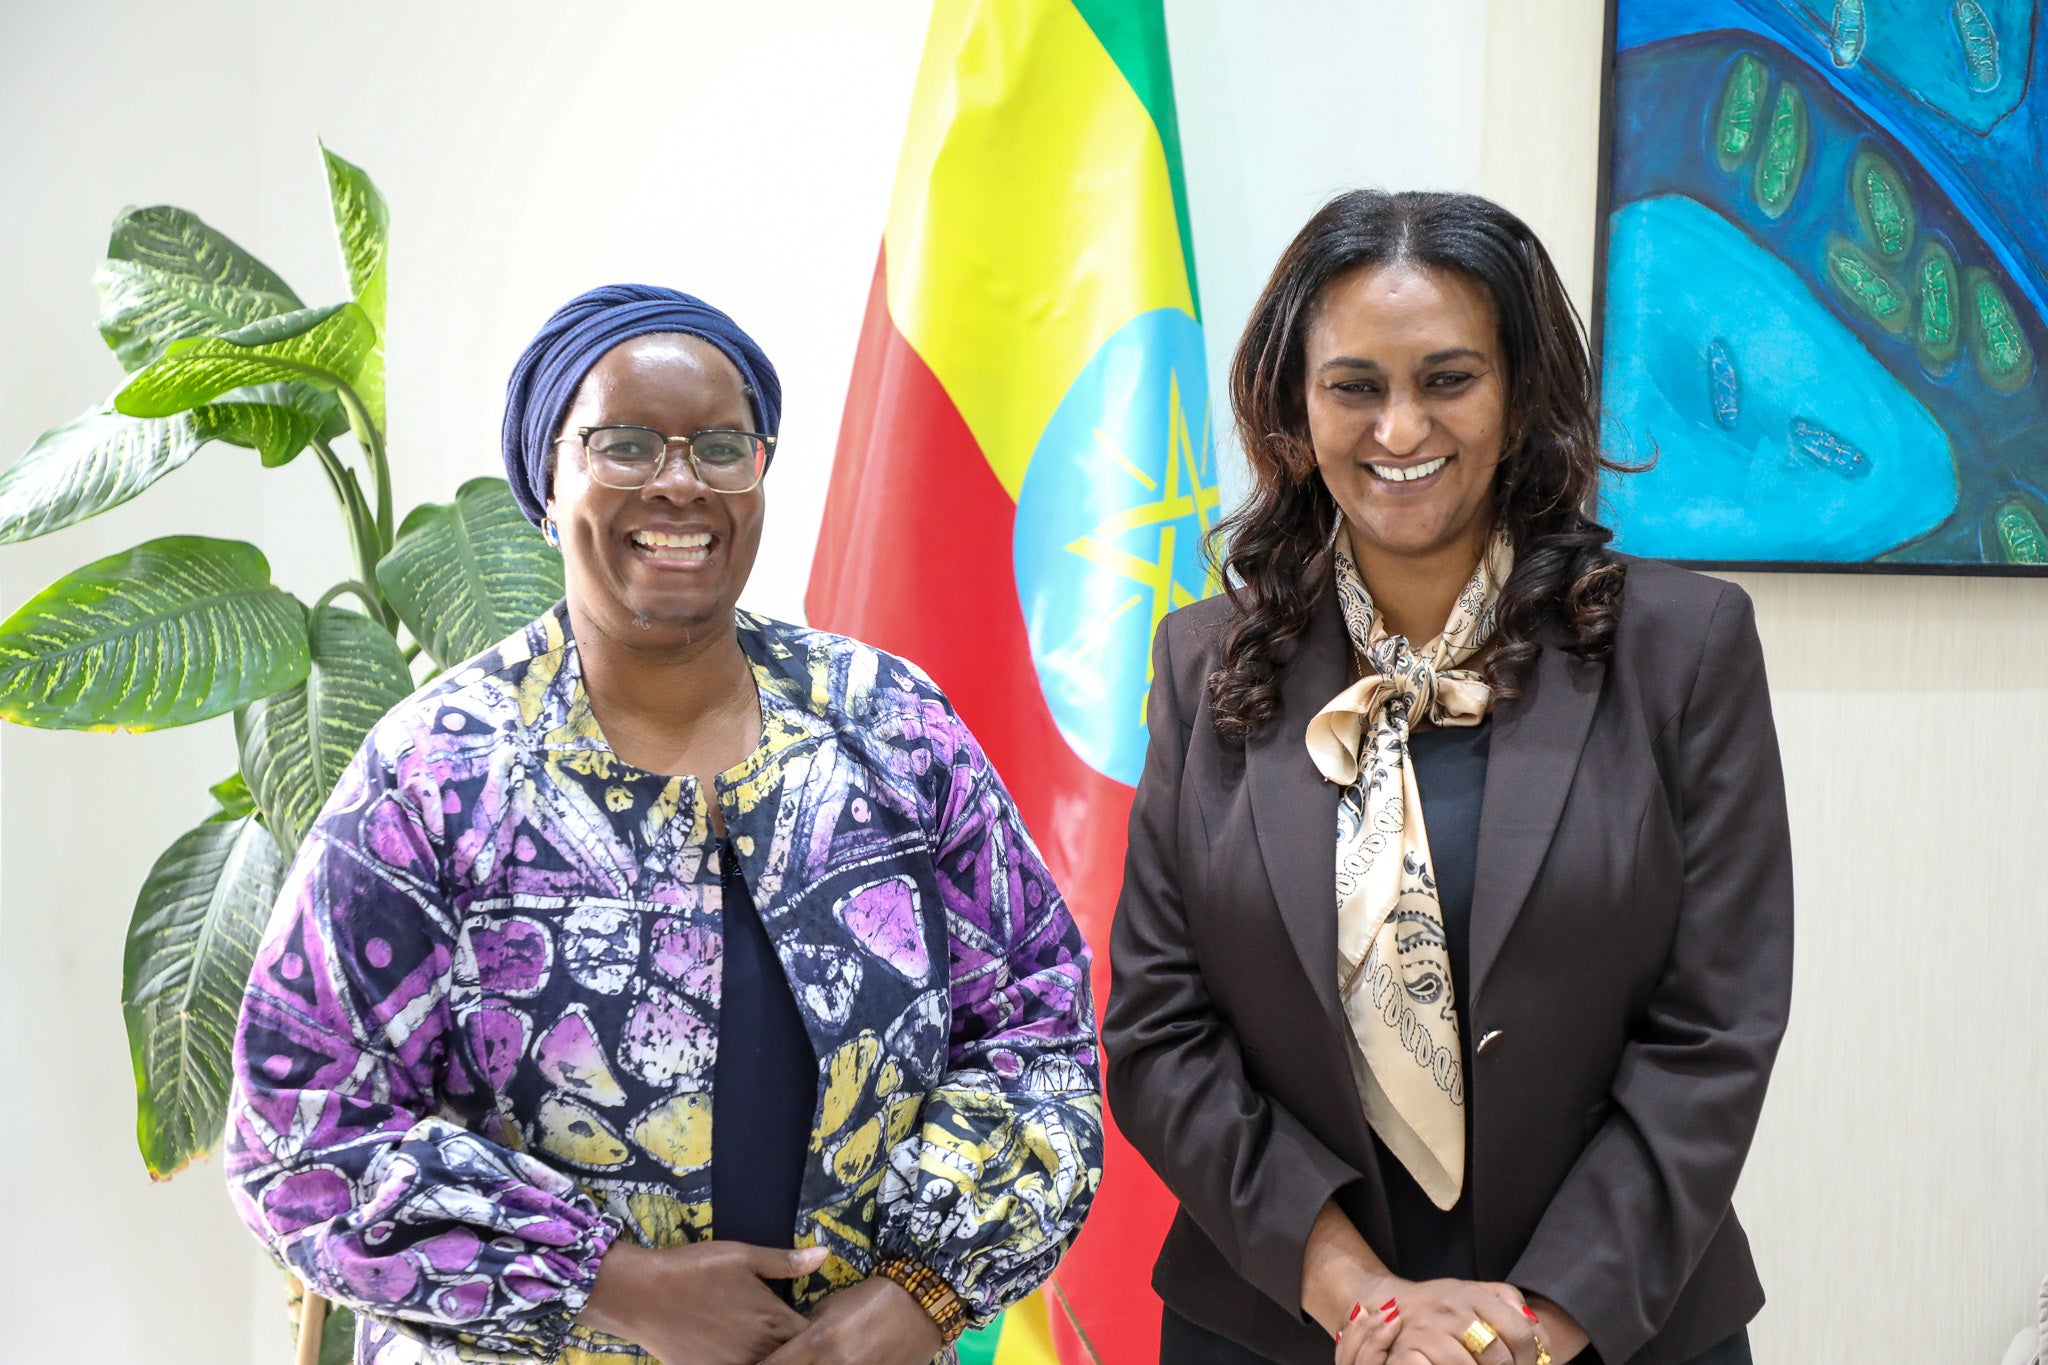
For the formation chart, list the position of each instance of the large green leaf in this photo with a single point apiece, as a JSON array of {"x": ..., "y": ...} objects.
[
  {"x": 191, "y": 944},
  {"x": 168, "y": 276},
  {"x": 363, "y": 224},
  {"x": 325, "y": 346},
  {"x": 170, "y": 632},
  {"x": 275, "y": 420},
  {"x": 465, "y": 575},
  {"x": 296, "y": 743},
  {"x": 84, "y": 467}
]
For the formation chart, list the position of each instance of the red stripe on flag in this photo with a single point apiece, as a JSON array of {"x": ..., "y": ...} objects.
[{"x": 915, "y": 558}]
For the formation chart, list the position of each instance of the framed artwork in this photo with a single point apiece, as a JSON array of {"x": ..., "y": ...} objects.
[{"x": 1823, "y": 301}]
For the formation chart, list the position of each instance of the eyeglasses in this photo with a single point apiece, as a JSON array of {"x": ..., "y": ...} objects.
[{"x": 632, "y": 457}]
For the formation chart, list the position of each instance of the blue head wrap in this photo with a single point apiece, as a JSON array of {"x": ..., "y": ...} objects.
[{"x": 545, "y": 380}]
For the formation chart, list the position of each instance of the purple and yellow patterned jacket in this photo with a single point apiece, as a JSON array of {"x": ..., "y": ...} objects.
[{"x": 478, "y": 1041}]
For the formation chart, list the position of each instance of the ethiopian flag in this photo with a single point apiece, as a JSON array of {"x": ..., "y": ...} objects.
[{"x": 1025, "y": 472}]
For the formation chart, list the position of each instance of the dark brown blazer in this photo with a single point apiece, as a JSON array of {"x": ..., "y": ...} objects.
[{"x": 1631, "y": 970}]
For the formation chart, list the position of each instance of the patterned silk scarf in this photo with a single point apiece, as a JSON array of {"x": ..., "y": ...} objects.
[{"x": 1394, "y": 967}]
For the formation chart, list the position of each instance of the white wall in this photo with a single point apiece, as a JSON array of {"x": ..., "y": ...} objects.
[
  {"x": 751, "y": 163},
  {"x": 1899, "y": 1192}
]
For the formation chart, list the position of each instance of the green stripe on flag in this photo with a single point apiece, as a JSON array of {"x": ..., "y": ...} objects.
[
  {"x": 1133, "y": 32},
  {"x": 979, "y": 1346}
]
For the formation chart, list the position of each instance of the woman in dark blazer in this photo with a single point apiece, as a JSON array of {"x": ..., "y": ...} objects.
[{"x": 1455, "y": 940}]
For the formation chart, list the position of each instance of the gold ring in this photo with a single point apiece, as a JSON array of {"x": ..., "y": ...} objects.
[
  {"x": 1542, "y": 1352},
  {"x": 1478, "y": 1337}
]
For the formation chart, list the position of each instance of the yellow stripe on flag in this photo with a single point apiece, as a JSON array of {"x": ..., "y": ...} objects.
[
  {"x": 1027, "y": 1334},
  {"x": 1032, "y": 215}
]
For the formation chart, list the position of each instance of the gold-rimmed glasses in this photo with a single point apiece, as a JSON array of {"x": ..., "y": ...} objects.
[{"x": 630, "y": 458}]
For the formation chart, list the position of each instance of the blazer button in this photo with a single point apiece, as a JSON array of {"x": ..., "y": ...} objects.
[{"x": 1486, "y": 1041}]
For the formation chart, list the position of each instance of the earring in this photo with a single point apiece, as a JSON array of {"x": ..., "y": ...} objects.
[{"x": 551, "y": 532}]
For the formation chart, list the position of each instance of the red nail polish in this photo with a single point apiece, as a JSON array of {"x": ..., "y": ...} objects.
[
  {"x": 1356, "y": 1309},
  {"x": 1388, "y": 1304},
  {"x": 1530, "y": 1313},
  {"x": 1392, "y": 1313}
]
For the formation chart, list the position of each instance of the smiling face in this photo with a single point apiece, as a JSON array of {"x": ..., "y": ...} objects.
[
  {"x": 660, "y": 566},
  {"x": 1407, "y": 404}
]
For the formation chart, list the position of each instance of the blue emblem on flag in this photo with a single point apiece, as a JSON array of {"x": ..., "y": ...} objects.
[{"x": 1110, "y": 520}]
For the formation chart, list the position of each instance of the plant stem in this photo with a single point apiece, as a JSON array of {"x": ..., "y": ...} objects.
[
  {"x": 364, "y": 593},
  {"x": 362, "y": 533},
  {"x": 338, "y": 480},
  {"x": 372, "y": 441}
]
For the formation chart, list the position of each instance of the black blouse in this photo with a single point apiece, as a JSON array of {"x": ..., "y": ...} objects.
[
  {"x": 764, "y": 1084},
  {"x": 1450, "y": 771}
]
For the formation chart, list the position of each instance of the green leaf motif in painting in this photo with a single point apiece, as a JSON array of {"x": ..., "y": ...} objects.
[
  {"x": 168, "y": 633},
  {"x": 296, "y": 744},
  {"x": 324, "y": 346},
  {"x": 169, "y": 276},
  {"x": 191, "y": 944},
  {"x": 463, "y": 576},
  {"x": 84, "y": 467}
]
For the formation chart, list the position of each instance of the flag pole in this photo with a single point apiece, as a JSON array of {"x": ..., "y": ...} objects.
[{"x": 312, "y": 1326}]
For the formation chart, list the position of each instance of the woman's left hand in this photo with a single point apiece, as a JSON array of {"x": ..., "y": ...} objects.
[
  {"x": 875, "y": 1322},
  {"x": 1368, "y": 1338}
]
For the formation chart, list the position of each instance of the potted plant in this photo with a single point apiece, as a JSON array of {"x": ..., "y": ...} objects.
[{"x": 180, "y": 629}]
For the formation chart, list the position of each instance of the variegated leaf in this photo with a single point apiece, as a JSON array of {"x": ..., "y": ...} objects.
[
  {"x": 87, "y": 465},
  {"x": 296, "y": 743},
  {"x": 168, "y": 633},
  {"x": 463, "y": 576},
  {"x": 191, "y": 944},
  {"x": 168, "y": 276},
  {"x": 324, "y": 346}
]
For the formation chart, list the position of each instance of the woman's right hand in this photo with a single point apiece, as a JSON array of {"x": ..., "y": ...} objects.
[{"x": 702, "y": 1304}]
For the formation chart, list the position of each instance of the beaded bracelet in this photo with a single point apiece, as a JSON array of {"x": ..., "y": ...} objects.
[{"x": 933, "y": 1295}]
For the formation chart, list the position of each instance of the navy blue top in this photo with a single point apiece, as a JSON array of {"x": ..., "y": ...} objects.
[
  {"x": 764, "y": 1084},
  {"x": 1450, "y": 772}
]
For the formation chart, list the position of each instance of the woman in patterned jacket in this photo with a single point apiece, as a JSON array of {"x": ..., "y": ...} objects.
[{"x": 667, "y": 981}]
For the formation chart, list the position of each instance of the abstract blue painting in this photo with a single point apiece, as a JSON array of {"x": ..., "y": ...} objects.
[{"x": 1824, "y": 294}]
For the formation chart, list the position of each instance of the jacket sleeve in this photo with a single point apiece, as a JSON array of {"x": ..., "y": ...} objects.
[
  {"x": 347, "y": 1152},
  {"x": 1621, "y": 1237},
  {"x": 991, "y": 1188},
  {"x": 1248, "y": 1172}
]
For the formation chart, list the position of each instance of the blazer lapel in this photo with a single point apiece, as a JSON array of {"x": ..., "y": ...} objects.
[
  {"x": 1294, "y": 811},
  {"x": 1532, "y": 759}
]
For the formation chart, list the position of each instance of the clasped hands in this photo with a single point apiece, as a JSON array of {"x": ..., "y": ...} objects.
[
  {"x": 1407, "y": 1322},
  {"x": 709, "y": 1304},
  {"x": 1378, "y": 1318}
]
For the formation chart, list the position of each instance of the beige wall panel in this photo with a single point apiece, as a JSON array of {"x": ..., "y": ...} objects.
[
  {"x": 1543, "y": 63},
  {"x": 1898, "y": 1192}
]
